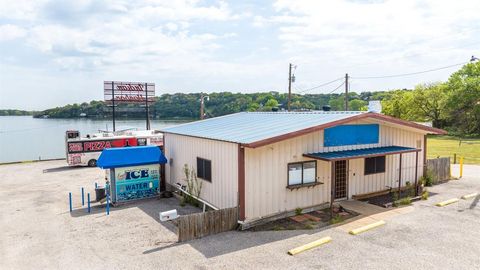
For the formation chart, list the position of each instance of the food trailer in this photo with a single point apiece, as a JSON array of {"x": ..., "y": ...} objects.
[{"x": 133, "y": 173}]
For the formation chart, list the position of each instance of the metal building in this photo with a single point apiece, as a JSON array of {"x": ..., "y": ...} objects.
[{"x": 269, "y": 163}]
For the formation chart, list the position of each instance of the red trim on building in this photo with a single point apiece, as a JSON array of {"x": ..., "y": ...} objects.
[{"x": 241, "y": 182}]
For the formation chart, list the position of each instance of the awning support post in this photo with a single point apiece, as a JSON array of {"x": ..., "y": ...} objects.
[
  {"x": 400, "y": 177},
  {"x": 416, "y": 173},
  {"x": 332, "y": 187}
]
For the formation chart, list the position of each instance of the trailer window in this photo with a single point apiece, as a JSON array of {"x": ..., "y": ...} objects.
[
  {"x": 204, "y": 169},
  {"x": 374, "y": 165},
  {"x": 301, "y": 173}
]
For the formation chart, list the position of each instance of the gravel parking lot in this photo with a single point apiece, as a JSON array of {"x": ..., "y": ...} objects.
[{"x": 37, "y": 231}]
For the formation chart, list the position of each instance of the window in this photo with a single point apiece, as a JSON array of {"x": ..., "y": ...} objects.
[
  {"x": 302, "y": 173},
  {"x": 374, "y": 165},
  {"x": 204, "y": 169}
]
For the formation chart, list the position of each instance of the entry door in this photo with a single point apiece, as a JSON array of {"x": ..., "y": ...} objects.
[{"x": 340, "y": 179}]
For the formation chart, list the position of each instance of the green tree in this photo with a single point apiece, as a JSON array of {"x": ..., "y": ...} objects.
[
  {"x": 357, "y": 105},
  {"x": 463, "y": 101},
  {"x": 427, "y": 103},
  {"x": 397, "y": 104}
]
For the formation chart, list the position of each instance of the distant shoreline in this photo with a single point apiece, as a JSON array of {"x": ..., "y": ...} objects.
[{"x": 109, "y": 118}]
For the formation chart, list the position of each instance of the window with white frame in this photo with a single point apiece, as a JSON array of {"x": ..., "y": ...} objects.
[{"x": 301, "y": 173}]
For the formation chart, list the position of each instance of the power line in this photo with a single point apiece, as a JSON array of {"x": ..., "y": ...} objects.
[
  {"x": 318, "y": 86},
  {"x": 336, "y": 88},
  {"x": 409, "y": 74}
]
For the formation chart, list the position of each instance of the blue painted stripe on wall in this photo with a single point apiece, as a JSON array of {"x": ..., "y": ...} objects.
[{"x": 351, "y": 135}]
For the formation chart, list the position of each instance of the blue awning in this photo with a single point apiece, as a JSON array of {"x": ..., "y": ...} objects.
[
  {"x": 130, "y": 156},
  {"x": 361, "y": 153}
]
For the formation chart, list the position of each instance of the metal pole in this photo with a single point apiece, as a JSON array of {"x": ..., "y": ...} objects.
[
  {"x": 400, "y": 177},
  {"x": 289, "y": 86},
  {"x": 88, "y": 202},
  {"x": 332, "y": 187},
  {"x": 346, "y": 92},
  {"x": 70, "y": 200},
  {"x": 108, "y": 204},
  {"x": 113, "y": 106},
  {"x": 83, "y": 197},
  {"x": 96, "y": 185},
  {"x": 146, "y": 106},
  {"x": 416, "y": 173}
]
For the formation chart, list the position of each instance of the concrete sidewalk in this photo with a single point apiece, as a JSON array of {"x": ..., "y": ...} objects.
[{"x": 369, "y": 213}]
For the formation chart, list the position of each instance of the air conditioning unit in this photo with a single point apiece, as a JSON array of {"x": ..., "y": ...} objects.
[{"x": 168, "y": 215}]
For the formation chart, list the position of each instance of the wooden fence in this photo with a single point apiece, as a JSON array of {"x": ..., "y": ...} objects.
[
  {"x": 202, "y": 224},
  {"x": 439, "y": 168}
]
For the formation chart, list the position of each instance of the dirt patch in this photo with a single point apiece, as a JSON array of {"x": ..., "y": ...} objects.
[{"x": 307, "y": 221}]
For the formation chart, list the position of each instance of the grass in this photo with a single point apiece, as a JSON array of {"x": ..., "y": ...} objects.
[{"x": 446, "y": 146}]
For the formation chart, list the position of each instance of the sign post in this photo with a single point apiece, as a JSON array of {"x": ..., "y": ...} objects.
[
  {"x": 113, "y": 106},
  {"x": 129, "y": 92}
]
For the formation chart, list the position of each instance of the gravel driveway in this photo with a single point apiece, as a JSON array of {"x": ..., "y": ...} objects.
[{"x": 38, "y": 232}]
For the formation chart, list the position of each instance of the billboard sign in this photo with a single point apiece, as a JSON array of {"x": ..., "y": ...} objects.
[
  {"x": 139, "y": 182},
  {"x": 128, "y": 92}
]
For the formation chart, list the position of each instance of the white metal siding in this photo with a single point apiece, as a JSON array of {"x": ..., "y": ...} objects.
[
  {"x": 266, "y": 170},
  {"x": 222, "y": 191}
]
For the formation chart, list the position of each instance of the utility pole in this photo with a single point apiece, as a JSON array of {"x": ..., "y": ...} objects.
[
  {"x": 346, "y": 91},
  {"x": 289, "y": 86},
  {"x": 201, "y": 106}
]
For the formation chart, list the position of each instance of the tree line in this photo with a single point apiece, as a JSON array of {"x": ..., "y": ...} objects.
[
  {"x": 453, "y": 105},
  {"x": 10, "y": 112}
]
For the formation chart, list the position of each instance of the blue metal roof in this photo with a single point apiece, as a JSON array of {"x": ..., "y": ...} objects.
[
  {"x": 358, "y": 153},
  {"x": 130, "y": 156},
  {"x": 249, "y": 127}
]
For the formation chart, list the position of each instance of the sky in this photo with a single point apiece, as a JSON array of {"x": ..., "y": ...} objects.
[{"x": 58, "y": 52}]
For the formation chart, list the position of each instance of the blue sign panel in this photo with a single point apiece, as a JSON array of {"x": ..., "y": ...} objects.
[
  {"x": 138, "y": 182},
  {"x": 351, "y": 135}
]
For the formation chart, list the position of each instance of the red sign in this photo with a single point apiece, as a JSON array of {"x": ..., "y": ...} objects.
[
  {"x": 99, "y": 145},
  {"x": 128, "y": 92}
]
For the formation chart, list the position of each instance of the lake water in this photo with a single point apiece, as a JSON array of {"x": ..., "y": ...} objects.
[{"x": 28, "y": 138}]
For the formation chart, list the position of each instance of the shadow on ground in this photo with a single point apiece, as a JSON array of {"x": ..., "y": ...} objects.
[
  {"x": 232, "y": 241},
  {"x": 151, "y": 207},
  {"x": 64, "y": 168}
]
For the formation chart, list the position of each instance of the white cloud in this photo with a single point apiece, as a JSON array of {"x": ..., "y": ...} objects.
[
  {"x": 389, "y": 26},
  {"x": 190, "y": 45},
  {"x": 11, "y": 32}
]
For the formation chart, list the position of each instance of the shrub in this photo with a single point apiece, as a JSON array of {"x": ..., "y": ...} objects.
[
  {"x": 278, "y": 228},
  {"x": 194, "y": 187},
  {"x": 291, "y": 227},
  {"x": 427, "y": 179},
  {"x": 405, "y": 201},
  {"x": 309, "y": 226},
  {"x": 298, "y": 211},
  {"x": 410, "y": 189},
  {"x": 336, "y": 219},
  {"x": 425, "y": 195}
]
